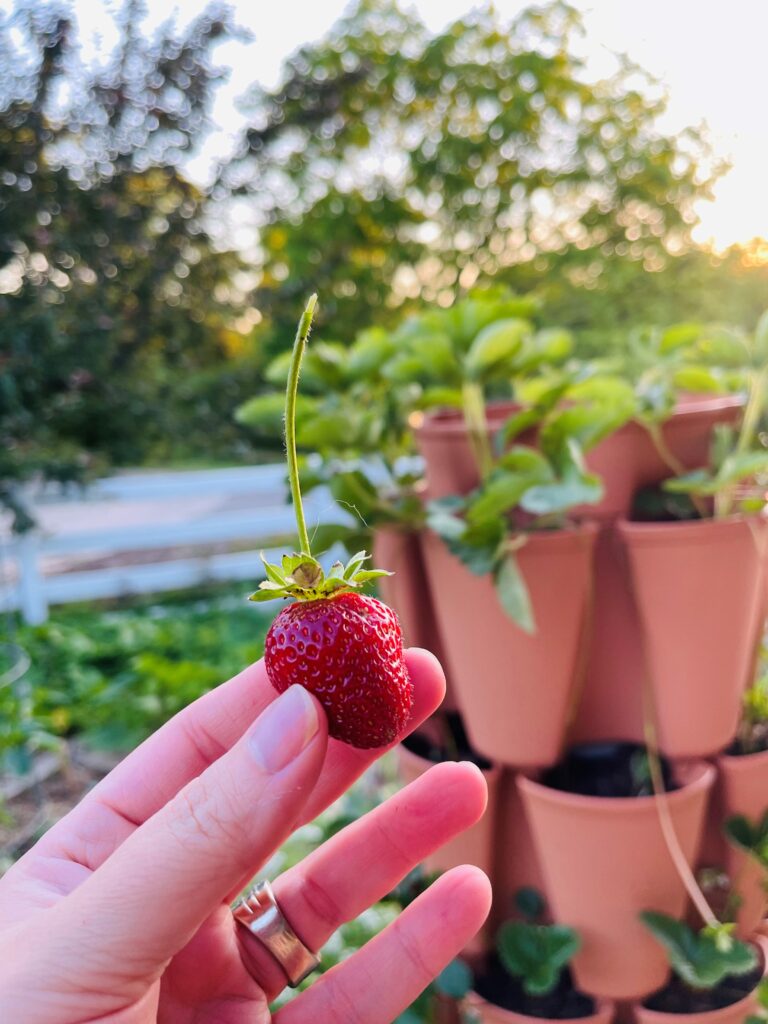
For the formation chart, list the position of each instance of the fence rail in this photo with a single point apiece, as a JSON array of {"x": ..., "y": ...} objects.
[{"x": 266, "y": 517}]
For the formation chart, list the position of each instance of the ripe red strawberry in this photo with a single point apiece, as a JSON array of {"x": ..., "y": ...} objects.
[{"x": 347, "y": 650}]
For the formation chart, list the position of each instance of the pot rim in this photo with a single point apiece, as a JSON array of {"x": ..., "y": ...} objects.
[
  {"x": 545, "y": 538},
  {"x": 602, "y": 1005},
  {"x": 442, "y": 422},
  {"x": 690, "y": 406},
  {"x": 728, "y": 528},
  {"x": 711, "y": 1016},
  {"x": 742, "y": 763},
  {"x": 705, "y": 775}
]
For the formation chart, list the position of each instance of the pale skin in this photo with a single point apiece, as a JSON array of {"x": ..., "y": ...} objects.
[{"x": 120, "y": 913}]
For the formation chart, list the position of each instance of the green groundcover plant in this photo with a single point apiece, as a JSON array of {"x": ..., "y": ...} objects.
[{"x": 111, "y": 677}]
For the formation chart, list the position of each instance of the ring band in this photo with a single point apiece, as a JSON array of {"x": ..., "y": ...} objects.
[{"x": 260, "y": 913}]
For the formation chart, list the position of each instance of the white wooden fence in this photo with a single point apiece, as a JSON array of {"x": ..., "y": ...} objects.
[{"x": 265, "y": 517}]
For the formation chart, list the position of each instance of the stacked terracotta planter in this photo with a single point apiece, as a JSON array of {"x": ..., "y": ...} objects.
[{"x": 636, "y": 622}]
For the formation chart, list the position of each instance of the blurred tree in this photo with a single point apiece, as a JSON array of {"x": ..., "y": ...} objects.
[
  {"x": 113, "y": 297},
  {"x": 480, "y": 147},
  {"x": 602, "y": 303}
]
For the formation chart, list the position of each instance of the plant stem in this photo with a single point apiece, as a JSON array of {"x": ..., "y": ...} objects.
[
  {"x": 670, "y": 460},
  {"x": 477, "y": 426},
  {"x": 682, "y": 866},
  {"x": 302, "y": 334},
  {"x": 756, "y": 394}
]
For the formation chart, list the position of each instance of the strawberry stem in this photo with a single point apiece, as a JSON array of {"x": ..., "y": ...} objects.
[{"x": 302, "y": 334}]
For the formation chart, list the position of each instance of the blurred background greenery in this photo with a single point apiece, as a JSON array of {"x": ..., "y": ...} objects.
[{"x": 391, "y": 165}]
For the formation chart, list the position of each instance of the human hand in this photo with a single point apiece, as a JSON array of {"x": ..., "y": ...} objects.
[{"x": 121, "y": 913}]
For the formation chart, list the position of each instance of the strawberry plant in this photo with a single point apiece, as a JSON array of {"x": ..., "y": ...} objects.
[
  {"x": 750, "y": 836},
  {"x": 703, "y": 959},
  {"x": 345, "y": 647},
  {"x": 536, "y": 954},
  {"x": 752, "y": 734},
  {"x": 738, "y": 456},
  {"x": 527, "y": 489}
]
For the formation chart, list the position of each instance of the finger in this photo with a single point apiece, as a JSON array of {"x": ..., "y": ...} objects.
[
  {"x": 178, "y": 867},
  {"x": 385, "y": 976},
  {"x": 192, "y": 741},
  {"x": 381, "y": 848}
]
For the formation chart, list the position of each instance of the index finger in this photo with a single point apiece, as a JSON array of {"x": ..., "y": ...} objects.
[{"x": 190, "y": 742}]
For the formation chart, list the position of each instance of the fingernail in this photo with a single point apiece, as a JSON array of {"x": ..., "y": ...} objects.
[{"x": 284, "y": 729}]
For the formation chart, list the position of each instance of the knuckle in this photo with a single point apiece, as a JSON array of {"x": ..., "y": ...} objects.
[
  {"x": 321, "y": 904},
  {"x": 199, "y": 817},
  {"x": 412, "y": 954}
]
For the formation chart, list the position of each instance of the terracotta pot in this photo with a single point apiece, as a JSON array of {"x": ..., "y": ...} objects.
[
  {"x": 450, "y": 466},
  {"x": 604, "y": 860},
  {"x": 516, "y": 863},
  {"x": 699, "y": 591},
  {"x": 744, "y": 790},
  {"x": 476, "y": 1010},
  {"x": 611, "y": 705},
  {"x": 400, "y": 551},
  {"x": 473, "y": 846},
  {"x": 736, "y": 1013},
  {"x": 516, "y": 690},
  {"x": 626, "y": 460}
]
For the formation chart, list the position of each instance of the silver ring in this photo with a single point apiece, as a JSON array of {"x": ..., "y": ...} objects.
[{"x": 260, "y": 913}]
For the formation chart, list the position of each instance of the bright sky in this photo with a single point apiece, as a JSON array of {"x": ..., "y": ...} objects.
[{"x": 710, "y": 57}]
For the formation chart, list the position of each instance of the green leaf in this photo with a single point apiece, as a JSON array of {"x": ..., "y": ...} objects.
[
  {"x": 291, "y": 562},
  {"x": 700, "y": 959},
  {"x": 436, "y": 355},
  {"x": 530, "y": 902},
  {"x": 439, "y": 397},
  {"x": 263, "y": 594},
  {"x": 455, "y": 980},
  {"x": 356, "y": 493},
  {"x": 493, "y": 348},
  {"x": 536, "y": 954},
  {"x": 519, "y": 422},
  {"x": 355, "y": 563},
  {"x": 444, "y": 522},
  {"x": 549, "y": 499},
  {"x": 272, "y": 571},
  {"x": 698, "y": 379},
  {"x": 366, "y": 575},
  {"x": 752, "y": 837},
  {"x": 698, "y": 481},
  {"x": 513, "y": 593},
  {"x": 371, "y": 351},
  {"x": 738, "y": 467},
  {"x": 679, "y": 336},
  {"x": 498, "y": 495},
  {"x": 546, "y": 348}
]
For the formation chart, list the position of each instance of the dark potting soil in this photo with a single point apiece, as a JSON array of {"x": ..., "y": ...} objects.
[
  {"x": 677, "y": 997},
  {"x": 460, "y": 749},
  {"x": 608, "y": 769},
  {"x": 758, "y": 743},
  {"x": 496, "y": 986},
  {"x": 655, "y": 505}
]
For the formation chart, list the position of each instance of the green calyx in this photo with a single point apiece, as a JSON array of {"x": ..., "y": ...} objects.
[{"x": 303, "y": 578}]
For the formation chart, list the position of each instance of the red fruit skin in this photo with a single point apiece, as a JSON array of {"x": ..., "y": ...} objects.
[{"x": 347, "y": 650}]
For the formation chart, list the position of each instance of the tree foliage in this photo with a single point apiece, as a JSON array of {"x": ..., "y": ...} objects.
[
  {"x": 111, "y": 289},
  {"x": 480, "y": 147}
]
